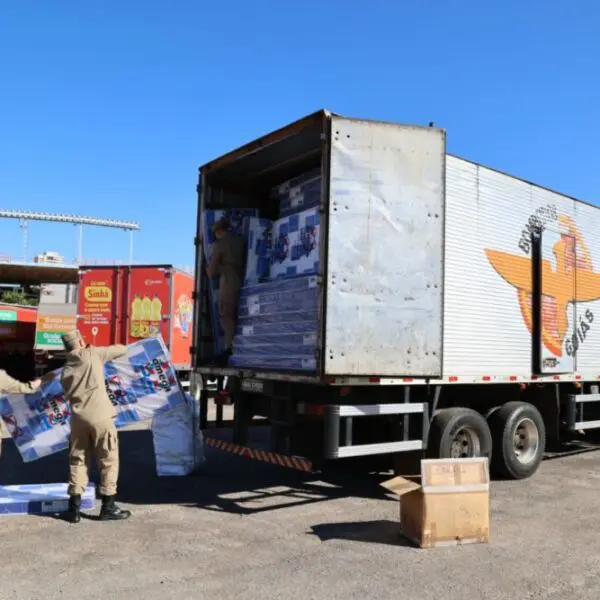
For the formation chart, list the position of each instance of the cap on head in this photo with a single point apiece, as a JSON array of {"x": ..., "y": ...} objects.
[
  {"x": 71, "y": 339},
  {"x": 221, "y": 225}
]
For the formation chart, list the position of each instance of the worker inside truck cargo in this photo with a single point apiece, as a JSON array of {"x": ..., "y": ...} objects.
[
  {"x": 93, "y": 429},
  {"x": 227, "y": 261},
  {"x": 8, "y": 385}
]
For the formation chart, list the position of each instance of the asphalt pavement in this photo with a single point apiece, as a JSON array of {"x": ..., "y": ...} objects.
[{"x": 247, "y": 530}]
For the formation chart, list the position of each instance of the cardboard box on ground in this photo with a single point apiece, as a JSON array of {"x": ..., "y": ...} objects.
[{"x": 449, "y": 507}]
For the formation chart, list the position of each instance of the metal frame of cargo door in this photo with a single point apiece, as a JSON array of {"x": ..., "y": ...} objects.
[{"x": 323, "y": 240}]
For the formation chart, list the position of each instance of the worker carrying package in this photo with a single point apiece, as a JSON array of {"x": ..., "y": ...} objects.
[{"x": 141, "y": 385}]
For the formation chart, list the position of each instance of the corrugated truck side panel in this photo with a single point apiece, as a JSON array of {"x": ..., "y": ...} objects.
[{"x": 488, "y": 319}]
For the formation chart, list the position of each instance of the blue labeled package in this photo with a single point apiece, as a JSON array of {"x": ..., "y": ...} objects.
[
  {"x": 296, "y": 245},
  {"x": 299, "y": 193},
  {"x": 284, "y": 317},
  {"x": 288, "y": 339},
  {"x": 258, "y": 305},
  {"x": 291, "y": 363},
  {"x": 259, "y": 245},
  {"x": 300, "y": 327},
  {"x": 37, "y": 499},
  {"x": 276, "y": 349}
]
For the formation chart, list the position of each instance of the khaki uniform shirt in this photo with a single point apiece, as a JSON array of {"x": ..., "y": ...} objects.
[
  {"x": 8, "y": 385},
  {"x": 227, "y": 260},
  {"x": 83, "y": 382}
]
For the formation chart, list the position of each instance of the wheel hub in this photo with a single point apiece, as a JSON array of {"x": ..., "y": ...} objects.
[
  {"x": 526, "y": 441},
  {"x": 465, "y": 444}
]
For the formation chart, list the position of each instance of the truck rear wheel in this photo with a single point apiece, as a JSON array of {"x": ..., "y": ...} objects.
[
  {"x": 459, "y": 433},
  {"x": 519, "y": 438}
]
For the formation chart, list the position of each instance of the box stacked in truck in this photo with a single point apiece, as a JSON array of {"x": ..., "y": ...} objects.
[
  {"x": 277, "y": 325},
  {"x": 296, "y": 245},
  {"x": 277, "y": 319},
  {"x": 299, "y": 193},
  {"x": 258, "y": 233}
]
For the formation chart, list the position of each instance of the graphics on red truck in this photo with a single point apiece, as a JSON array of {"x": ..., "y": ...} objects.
[{"x": 122, "y": 305}]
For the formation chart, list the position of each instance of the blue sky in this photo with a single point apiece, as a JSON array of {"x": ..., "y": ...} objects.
[{"x": 108, "y": 108}]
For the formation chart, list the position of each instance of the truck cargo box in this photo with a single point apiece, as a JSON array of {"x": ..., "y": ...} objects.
[
  {"x": 121, "y": 305},
  {"x": 429, "y": 266}
]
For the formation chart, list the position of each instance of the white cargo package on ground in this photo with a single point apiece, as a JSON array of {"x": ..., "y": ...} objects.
[
  {"x": 41, "y": 498},
  {"x": 178, "y": 443},
  {"x": 140, "y": 385}
]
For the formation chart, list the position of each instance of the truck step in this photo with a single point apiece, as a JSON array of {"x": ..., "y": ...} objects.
[{"x": 577, "y": 405}]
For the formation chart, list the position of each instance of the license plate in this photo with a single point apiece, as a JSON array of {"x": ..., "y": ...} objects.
[{"x": 252, "y": 385}]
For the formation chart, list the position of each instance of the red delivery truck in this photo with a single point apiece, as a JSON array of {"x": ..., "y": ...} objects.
[{"x": 122, "y": 305}]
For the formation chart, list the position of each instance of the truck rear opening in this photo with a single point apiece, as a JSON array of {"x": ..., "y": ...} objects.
[{"x": 324, "y": 212}]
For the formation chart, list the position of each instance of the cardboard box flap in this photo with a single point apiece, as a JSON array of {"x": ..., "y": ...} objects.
[
  {"x": 400, "y": 486},
  {"x": 459, "y": 475}
]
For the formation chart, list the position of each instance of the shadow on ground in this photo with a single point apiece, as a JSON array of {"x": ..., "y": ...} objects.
[
  {"x": 226, "y": 483},
  {"x": 372, "y": 532}
]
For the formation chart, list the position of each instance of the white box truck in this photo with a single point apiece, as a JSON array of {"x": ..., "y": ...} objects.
[{"x": 458, "y": 306}]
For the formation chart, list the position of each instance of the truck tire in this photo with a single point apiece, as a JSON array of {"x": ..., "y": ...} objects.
[
  {"x": 459, "y": 433},
  {"x": 519, "y": 438}
]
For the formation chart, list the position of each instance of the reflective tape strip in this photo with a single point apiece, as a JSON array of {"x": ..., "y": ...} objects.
[{"x": 274, "y": 458}]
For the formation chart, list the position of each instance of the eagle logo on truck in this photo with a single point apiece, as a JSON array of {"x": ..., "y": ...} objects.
[{"x": 573, "y": 281}]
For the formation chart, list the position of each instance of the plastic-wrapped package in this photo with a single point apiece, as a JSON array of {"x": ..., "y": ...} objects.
[
  {"x": 236, "y": 218},
  {"x": 140, "y": 385},
  {"x": 259, "y": 246},
  {"x": 279, "y": 288},
  {"x": 277, "y": 325},
  {"x": 178, "y": 444},
  {"x": 41, "y": 498},
  {"x": 282, "y": 363},
  {"x": 296, "y": 245},
  {"x": 278, "y": 348},
  {"x": 288, "y": 339},
  {"x": 298, "y": 326},
  {"x": 281, "y": 299},
  {"x": 298, "y": 193},
  {"x": 277, "y": 318}
]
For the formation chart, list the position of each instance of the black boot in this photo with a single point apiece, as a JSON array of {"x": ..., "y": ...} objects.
[
  {"x": 74, "y": 514},
  {"x": 111, "y": 512}
]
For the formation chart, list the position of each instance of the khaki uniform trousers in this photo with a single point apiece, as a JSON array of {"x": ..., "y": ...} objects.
[{"x": 101, "y": 441}]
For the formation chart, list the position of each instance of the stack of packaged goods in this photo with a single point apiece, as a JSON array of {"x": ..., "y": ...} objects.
[
  {"x": 238, "y": 219},
  {"x": 299, "y": 193},
  {"x": 277, "y": 325},
  {"x": 278, "y": 319}
]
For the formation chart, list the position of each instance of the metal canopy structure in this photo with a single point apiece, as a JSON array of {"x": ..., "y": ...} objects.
[{"x": 24, "y": 216}]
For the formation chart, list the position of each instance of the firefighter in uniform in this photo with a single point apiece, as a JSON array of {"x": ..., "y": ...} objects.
[
  {"x": 93, "y": 431},
  {"x": 8, "y": 385},
  {"x": 227, "y": 261}
]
